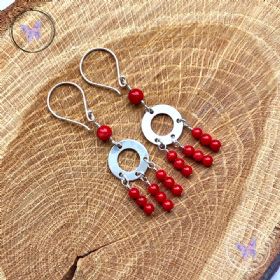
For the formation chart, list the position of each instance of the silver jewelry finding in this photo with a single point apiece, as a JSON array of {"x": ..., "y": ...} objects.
[
  {"x": 128, "y": 144},
  {"x": 169, "y": 138},
  {"x": 121, "y": 79},
  {"x": 89, "y": 113}
]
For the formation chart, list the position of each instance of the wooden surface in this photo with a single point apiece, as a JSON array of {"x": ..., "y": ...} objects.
[{"x": 218, "y": 63}]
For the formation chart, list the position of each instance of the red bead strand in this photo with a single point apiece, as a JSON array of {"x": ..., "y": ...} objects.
[
  {"x": 166, "y": 203},
  {"x": 169, "y": 183},
  {"x": 179, "y": 163},
  {"x": 196, "y": 155},
  {"x": 161, "y": 197},
  {"x": 141, "y": 201},
  {"x": 205, "y": 139}
]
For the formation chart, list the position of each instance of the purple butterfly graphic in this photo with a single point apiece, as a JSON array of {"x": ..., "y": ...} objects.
[
  {"x": 247, "y": 251},
  {"x": 32, "y": 33}
]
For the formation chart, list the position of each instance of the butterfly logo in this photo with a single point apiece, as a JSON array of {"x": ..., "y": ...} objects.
[
  {"x": 32, "y": 33},
  {"x": 248, "y": 251}
]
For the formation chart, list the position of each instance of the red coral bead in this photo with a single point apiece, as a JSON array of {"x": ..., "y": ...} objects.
[
  {"x": 133, "y": 193},
  {"x": 177, "y": 190},
  {"x": 171, "y": 156},
  {"x": 153, "y": 189},
  {"x": 169, "y": 182},
  {"x": 179, "y": 163},
  {"x": 187, "y": 170},
  {"x": 205, "y": 139},
  {"x": 149, "y": 209},
  {"x": 104, "y": 132},
  {"x": 160, "y": 174},
  {"x": 197, "y": 155},
  {"x": 188, "y": 150},
  {"x": 141, "y": 201},
  {"x": 160, "y": 197},
  {"x": 135, "y": 96},
  {"x": 167, "y": 205},
  {"x": 207, "y": 161},
  {"x": 197, "y": 132},
  {"x": 215, "y": 145}
]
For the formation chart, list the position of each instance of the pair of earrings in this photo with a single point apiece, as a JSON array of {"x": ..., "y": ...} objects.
[{"x": 104, "y": 133}]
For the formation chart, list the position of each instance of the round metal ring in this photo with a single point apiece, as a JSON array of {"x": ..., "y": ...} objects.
[
  {"x": 128, "y": 144},
  {"x": 53, "y": 31},
  {"x": 169, "y": 138}
]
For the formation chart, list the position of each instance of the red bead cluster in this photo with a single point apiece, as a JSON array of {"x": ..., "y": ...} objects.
[
  {"x": 179, "y": 163},
  {"x": 104, "y": 132},
  {"x": 205, "y": 139},
  {"x": 141, "y": 201},
  {"x": 169, "y": 182},
  {"x": 135, "y": 96},
  {"x": 197, "y": 155},
  {"x": 160, "y": 197}
]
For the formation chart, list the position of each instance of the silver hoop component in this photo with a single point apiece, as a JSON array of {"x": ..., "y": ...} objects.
[
  {"x": 89, "y": 114},
  {"x": 128, "y": 144},
  {"x": 121, "y": 79},
  {"x": 169, "y": 138}
]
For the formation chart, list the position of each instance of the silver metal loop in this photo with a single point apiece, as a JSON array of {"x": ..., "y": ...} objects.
[
  {"x": 185, "y": 123},
  {"x": 152, "y": 165},
  {"x": 89, "y": 113},
  {"x": 162, "y": 109},
  {"x": 124, "y": 181},
  {"x": 161, "y": 146},
  {"x": 147, "y": 108},
  {"x": 128, "y": 144},
  {"x": 118, "y": 144},
  {"x": 143, "y": 178},
  {"x": 121, "y": 79},
  {"x": 177, "y": 144}
]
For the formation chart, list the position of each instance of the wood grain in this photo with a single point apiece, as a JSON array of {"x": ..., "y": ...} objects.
[{"x": 64, "y": 216}]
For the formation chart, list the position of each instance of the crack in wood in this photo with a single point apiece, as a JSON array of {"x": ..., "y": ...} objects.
[{"x": 73, "y": 268}]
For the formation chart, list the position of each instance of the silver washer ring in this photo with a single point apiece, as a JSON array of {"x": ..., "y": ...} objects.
[
  {"x": 169, "y": 138},
  {"x": 128, "y": 144}
]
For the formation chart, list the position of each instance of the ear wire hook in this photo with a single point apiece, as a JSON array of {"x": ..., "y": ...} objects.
[
  {"x": 88, "y": 111},
  {"x": 121, "y": 79}
]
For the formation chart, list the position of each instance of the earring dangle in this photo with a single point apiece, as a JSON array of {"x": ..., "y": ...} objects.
[
  {"x": 104, "y": 133},
  {"x": 136, "y": 97}
]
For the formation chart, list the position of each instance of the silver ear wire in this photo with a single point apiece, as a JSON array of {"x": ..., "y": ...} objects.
[
  {"x": 88, "y": 111},
  {"x": 121, "y": 79}
]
